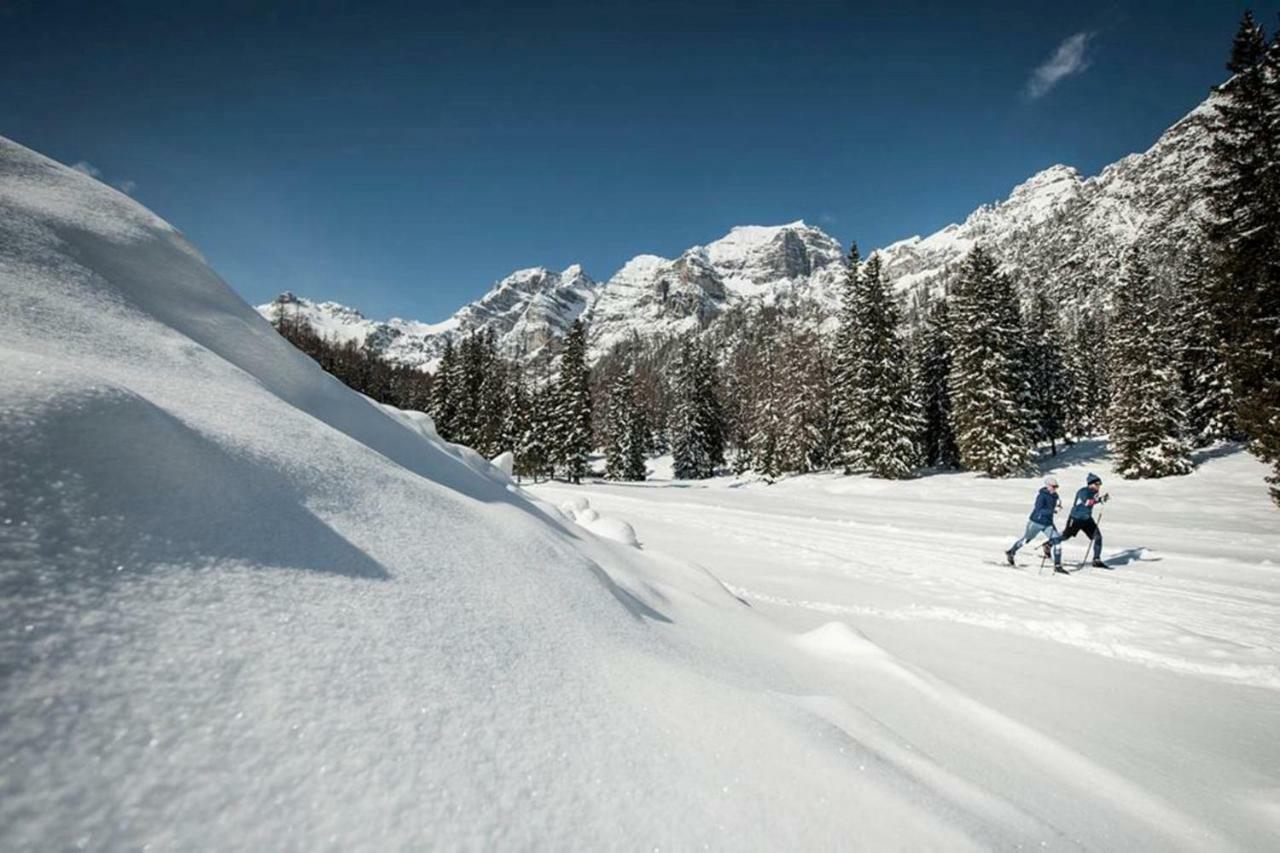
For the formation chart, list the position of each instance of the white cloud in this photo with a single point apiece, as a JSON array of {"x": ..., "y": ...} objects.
[
  {"x": 126, "y": 186},
  {"x": 87, "y": 168},
  {"x": 1069, "y": 59}
]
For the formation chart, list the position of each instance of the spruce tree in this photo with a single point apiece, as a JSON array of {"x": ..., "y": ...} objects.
[
  {"x": 846, "y": 392},
  {"x": 1087, "y": 373},
  {"x": 1206, "y": 386},
  {"x": 540, "y": 440},
  {"x": 1048, "y": 380},
  {"x": 626, "y": 430},
  {"x": 805, "y": 428},
  {"x": 516, "y": 425},
  {"x": 1146, "y": 419},
  {"x": 573, "y": 398},
  {"x": 933, "y": 359},
  {"x": 986, "y": 382},
  {"x": 697, "y": 428},
  {"x": 691, "y": 450},
  {"x": 766, "y": 415},
  {"x": 444, "y": 400},
  {"x": 1246, "y": 234},
  {"x": 883, "y": 414},
  {"x": 639, "y": 439}
]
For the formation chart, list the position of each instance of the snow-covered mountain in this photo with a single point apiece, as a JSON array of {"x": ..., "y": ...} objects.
[
  {"x": 1057, "y": 230},
  {"x": 653, "y": 297},
  {"x": 1065, "y": 232},
  {"x": 526, "y": 310}
]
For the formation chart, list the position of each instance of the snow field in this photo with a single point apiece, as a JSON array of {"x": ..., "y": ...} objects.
[{"x": 1131, "y": 706}]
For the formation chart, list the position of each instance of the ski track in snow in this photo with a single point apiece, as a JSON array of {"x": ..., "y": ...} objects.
[
  {"x": 1185, "y": 624},
  {"x": 1173, "y": 656}
]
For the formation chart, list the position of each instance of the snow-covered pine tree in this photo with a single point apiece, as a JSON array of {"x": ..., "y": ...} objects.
[
  {"x": 1206, "y": 387},
  {"x": 1145, "y": 421},
  {"x": 1246, "y": 233},
  {"x": 846, "y": 393},
  {"x": 885, "y": 416},
  {"x": 766, "y": 415},
  {"x": 1048, "y": 380},
  {"x": 800, "y": 445},
  {"x": 639, "y": 439},
  {"x": 690, "y": 444},
  {"x": 711, "y": 417},
  {"x": 1087, "y": 373},
  {"x": 573, "y": 415},
  {"x": 986, "y": 384},
  {"x": 516, "y": 423},
  {"x": 465, "y": 382},
  {"x": 538, "y": 456},
  {"x": 444, "y": 402},
  {"x": 626, "y": 429},
  {"x": 617, "y": 413},
  {"x": 493, "y": 396},
  {"x": 740, "y": 402},
  {"x": 696, "y": 425},
  {"x": 933, "y": 368}
]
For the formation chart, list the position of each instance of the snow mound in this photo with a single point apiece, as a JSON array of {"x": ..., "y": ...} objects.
[
  {"x": 579, "y": 510},
  {"x": 838, "y": 640},
  {"x": 504, "y": 462}
]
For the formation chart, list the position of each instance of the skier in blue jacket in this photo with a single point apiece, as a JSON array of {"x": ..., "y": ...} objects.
[
  {"x": 1081, "y": 518},
  {"x": 1041, "y": 521}
]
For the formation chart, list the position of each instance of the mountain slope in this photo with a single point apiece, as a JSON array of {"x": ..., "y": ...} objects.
[{"x": 1057, "y": 231}]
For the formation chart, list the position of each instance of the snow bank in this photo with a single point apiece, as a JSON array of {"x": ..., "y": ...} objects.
[{"x": 579, "y": 510}]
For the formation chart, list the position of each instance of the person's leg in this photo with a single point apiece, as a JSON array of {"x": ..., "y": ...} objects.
[
  {"x": 1071, "y": 529},
  {"x": 1032, "y": 531},
  {"x": 1055, "y": 543},
  {"x": 1096, "y": 535}
]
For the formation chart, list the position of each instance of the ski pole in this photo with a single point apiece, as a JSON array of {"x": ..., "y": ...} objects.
[{"x": 1097, "y": 531}]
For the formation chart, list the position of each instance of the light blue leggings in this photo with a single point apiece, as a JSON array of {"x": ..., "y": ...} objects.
[{"x": 1034, "y": 529}]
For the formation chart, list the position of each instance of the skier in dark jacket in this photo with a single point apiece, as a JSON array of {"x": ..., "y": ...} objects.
[
  {"x": 1041, "y": 521},
  {"x": 1081, "y": 518}
]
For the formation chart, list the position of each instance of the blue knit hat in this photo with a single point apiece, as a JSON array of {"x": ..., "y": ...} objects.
[{"x": 1092, "y": 478}]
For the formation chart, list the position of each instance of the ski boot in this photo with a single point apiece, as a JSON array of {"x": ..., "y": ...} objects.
[
  {"x": 1098, "y": 564},
  {"x": 1057, "y": 569},
  {"x": 1008, "y": 555},
  {"x": 1047, "y": 550}
]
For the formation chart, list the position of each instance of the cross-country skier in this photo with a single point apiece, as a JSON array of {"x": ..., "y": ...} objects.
[
  {"x": 1041, "y": 521},
  {"x": 1081, "y": 517}
]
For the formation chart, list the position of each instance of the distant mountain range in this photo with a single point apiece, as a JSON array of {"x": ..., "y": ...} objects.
[{"x": 1057, "y": 231}]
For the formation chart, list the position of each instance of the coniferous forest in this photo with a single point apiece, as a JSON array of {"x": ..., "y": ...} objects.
[{"x": 979, "y": 375}]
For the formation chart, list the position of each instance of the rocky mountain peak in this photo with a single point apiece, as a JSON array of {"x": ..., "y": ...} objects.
[{"x": 1056, "y": 230}]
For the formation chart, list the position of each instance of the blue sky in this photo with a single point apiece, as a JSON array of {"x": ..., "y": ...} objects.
[{"x": 401, "y": 157}]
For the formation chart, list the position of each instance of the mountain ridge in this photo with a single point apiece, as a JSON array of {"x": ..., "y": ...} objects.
[{"x": 1057, "y": 229}]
